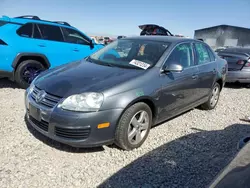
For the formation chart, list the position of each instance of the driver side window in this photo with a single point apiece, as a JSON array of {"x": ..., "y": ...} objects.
[
  {"x": 181, "y": 55},
  {"x": 73, "y": 36}
]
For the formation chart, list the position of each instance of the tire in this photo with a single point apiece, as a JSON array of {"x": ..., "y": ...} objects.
[
  {"x": 125, "y": 127},
  {"x": 24, "y": 67},
  {"x": 209, "y": 105}
]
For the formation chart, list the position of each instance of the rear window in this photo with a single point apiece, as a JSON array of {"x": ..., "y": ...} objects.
[{"x": 26, "y": 30}]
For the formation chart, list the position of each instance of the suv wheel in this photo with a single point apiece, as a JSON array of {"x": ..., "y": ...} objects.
[
  {"x": 27, "y": 71},
  {"x": 213, "y": 98},
  {"x": 134, "y": 126}
]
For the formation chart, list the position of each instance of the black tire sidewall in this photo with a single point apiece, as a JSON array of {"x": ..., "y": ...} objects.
[
  {"x": 18, "y": 73},
  {"x": 122, "y": 129}
]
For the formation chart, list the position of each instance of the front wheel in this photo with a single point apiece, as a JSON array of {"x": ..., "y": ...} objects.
[
  {"x": 27, "y": 71},
  {"x": 134, "y": 126},
  {"x": 213, "y": 98}
]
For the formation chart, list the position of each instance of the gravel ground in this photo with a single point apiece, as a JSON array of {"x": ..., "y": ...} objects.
[{"x": 187, "y": 151}]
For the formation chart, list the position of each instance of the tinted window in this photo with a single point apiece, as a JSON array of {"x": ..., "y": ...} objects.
[
  {"x": 73, "y": 36},
  {"x": 36, "y": 33},
  {"x": 182, "y": 54},
  {"x": 202, "y": 53},
  {"x": 50, "y": 32},
  {"x": 211, "y": 54},
  {"x": 26, "y": 30}
]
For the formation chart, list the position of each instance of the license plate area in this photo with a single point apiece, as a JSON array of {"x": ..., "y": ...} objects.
[{"x": 35, "y": 112}]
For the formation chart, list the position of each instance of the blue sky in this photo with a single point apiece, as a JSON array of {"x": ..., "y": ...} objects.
[{"x": 123, "y": 17}]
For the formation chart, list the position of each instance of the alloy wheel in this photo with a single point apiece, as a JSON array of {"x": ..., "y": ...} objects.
[
  {"x": 215, "y": 96},
  {"x": 138, "y": 127},
  {"x": 29, "y": 74}
]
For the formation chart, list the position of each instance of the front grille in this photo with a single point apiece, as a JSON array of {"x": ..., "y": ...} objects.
[
  {"x": 48, "y": 101},
  {"x": 41, "y": 124},
  {"x": 77, "y": 134}
]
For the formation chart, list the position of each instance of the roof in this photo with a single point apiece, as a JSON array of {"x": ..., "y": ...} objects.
[
  {"x": 213, "y": 27},
  {"x": 35, "y": 19},
  {"x": 170, "y": 39}
]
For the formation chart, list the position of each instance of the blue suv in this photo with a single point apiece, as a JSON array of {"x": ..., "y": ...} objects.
[{"x": 29, "y": 45}]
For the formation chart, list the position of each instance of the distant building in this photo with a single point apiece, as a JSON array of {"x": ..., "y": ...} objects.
[{"x": 224, "y": 35}]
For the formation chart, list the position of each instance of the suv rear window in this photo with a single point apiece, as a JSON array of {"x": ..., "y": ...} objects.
[
  {"x": 25, "y": 30},
  {"x": 50, "y": 32}
]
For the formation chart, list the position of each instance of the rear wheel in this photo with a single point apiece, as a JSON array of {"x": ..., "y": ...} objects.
[
  {"x": 27, "y": 71},
  {"x": 213, "y": 98},
  {"x": 134, "y": 126}
]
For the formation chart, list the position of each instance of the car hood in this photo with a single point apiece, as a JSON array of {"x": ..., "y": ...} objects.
[{"x": 82, "y": 76}]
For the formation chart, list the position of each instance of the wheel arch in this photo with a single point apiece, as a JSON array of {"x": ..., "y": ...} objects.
[
  {"x": 147, "y": 100},
  {"x": 30, "y": 56},
  {"x": 220, "y": 82}
]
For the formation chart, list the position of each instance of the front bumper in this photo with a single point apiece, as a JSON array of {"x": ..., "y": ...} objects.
[
  {"x": 72, "y": 128},
  {"x": 238, "y": 76}
]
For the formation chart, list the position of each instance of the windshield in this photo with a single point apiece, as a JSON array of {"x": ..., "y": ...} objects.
[{"x": 130, "y": 53}]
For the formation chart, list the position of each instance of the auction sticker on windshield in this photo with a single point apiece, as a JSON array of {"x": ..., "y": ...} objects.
[{"x": 139, "y": 64}]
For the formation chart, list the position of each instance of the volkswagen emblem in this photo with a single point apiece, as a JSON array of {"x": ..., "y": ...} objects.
[{"x": 40, "y": 96}]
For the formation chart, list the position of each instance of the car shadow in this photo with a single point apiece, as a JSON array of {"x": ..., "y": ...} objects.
[
  {"x": 5, "y": 83},
  {"x": 237, "y": 85},
  {"x": 191, "y": 161},
  {"x": 57, "y": 145}
]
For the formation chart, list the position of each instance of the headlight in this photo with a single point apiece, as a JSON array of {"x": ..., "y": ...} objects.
[
  {"x": 84, "y": 102},
  {"x": 32, "y": 86}
]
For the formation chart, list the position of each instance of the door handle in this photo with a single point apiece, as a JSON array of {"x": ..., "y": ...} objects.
[
  {"x": 214, "y": 71},
  {"x": 41, "y": 45},
  {"x": 76, "y": 50},
  {"x": 195, "y": 76}
]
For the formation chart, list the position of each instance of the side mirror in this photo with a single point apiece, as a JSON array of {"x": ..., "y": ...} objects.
[
  {"x": 173, "y": 68},
  {"x": 91, "y": 44}
]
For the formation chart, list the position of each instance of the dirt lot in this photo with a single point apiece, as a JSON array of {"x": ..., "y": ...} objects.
[{"x": 187, "y": 151}]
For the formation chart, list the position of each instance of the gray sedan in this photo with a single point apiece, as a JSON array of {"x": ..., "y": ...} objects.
[
  {"x": 108, "y": 98},
  {"x": 238, "y": 60}
]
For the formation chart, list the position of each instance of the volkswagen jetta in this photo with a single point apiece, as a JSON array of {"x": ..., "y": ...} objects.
[{"x": 116, "y": 96}]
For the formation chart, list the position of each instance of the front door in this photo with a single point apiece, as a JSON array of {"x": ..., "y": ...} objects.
[
  {"x": 79, "y": 44},
  {"x": 179, "y": 89}
]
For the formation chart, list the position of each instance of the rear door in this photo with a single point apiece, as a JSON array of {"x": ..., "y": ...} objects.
[
  {"x": 179, "y": 89},
  {"x": 207, "y": 66},
  {"x": 49, "y": 40}
]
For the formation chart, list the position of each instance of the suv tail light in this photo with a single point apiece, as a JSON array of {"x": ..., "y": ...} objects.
[{"x": 2, "y": 42}]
